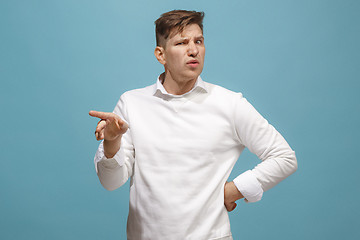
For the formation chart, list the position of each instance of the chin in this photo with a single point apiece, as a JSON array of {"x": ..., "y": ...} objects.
[
  {"x": 190, "y": 77},
  {"x": 193, "y": 74}
]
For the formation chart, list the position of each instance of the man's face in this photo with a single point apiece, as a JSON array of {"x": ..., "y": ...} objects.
[{"x": 184, "y": 54}]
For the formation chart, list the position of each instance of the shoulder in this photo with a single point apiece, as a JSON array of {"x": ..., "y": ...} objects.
[
  {"x": 222, "y": 93},
  {"x": 230, "y": 100},
  {"x": 139, "y": 92}
]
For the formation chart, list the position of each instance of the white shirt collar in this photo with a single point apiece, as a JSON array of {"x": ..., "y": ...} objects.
[{"x": 160, "y": 88}]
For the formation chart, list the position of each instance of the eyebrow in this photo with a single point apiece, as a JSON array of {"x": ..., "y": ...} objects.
[{"x": 185, "y": 38}]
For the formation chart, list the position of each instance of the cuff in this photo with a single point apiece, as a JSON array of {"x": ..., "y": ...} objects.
[
  {"x": 249, "y": 186},
  {"x": 117, "y": 159}
]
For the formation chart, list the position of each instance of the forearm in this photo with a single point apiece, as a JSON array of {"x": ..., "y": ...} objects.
[
  {"x": 111, "y": 147},
  {"x": 114, "y": 172},
  {"x": 275, "y": 169}
]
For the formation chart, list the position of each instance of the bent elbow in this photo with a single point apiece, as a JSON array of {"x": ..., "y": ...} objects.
[
  {"x": 295, "y": 165},
  {"x": 111, "y": 178},
  {"x": 292, "y": 164},
  {"x": 110, "y": 186}
]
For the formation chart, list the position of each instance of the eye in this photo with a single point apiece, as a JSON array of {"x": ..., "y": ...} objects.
[
  {"x": 180, "y": 43},
  {"x": 198, "y": 42}
]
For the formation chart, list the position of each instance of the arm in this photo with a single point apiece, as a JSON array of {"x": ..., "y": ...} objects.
[
  {"x": 262, "y": 139},
  {"x": 115, "y": 156}
]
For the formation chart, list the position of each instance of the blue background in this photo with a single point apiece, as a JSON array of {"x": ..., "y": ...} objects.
[{"x": 297, "y": 62}]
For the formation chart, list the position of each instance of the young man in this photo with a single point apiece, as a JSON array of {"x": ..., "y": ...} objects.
[{"x": 178, "y": 141}]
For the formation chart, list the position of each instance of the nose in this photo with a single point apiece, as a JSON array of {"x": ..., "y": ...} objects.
[{"x": 193, "y": 50}]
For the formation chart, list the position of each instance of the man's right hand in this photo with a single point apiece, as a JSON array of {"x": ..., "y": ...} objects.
[{"x": 110, "y": 127}]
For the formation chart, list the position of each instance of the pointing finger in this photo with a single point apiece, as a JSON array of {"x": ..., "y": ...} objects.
[{"x": 102, "y": 115}]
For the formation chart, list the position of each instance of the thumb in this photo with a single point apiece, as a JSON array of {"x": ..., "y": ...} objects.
[{"x": 234, "y": 206}]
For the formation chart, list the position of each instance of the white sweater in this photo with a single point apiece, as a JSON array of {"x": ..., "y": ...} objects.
[{"x": 179, "y": 152}]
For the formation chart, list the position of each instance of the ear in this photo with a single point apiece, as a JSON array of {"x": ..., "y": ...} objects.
[{"x": 160, "y": 55}]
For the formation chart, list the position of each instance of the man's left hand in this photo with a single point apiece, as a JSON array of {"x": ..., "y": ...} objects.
[{"x": 231, "y": 194}]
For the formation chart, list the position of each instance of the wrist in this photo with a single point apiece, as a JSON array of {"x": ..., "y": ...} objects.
[
  {"x": 111, "y": 147},
  {"x": 113, "y": 139},
  {"x": 233, "y": 193}
]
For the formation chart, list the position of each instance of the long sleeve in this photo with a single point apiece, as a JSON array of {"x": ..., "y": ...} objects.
[
  {"x": 262, "y": 139},
  {"x": 114, "y": 172}
]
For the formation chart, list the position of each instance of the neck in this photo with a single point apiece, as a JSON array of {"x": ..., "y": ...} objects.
[{"x": 177, "y": 86}]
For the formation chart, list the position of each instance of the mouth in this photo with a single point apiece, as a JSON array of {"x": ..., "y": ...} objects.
[{"x": 193, "y": 63}]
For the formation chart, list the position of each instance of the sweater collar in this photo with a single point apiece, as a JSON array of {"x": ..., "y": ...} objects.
[{"x": 159, "y": 88}]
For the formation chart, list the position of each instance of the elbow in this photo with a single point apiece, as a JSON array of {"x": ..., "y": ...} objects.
[
  {"x": 292, "y": 164},
  {"x": 295, "y": 165},
  {"x": 111, "y": 178},
  {"x": 110, "y": 186}
]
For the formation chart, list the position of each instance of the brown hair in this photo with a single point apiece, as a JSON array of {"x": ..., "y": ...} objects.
[{"x": 175, "y": 20}]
